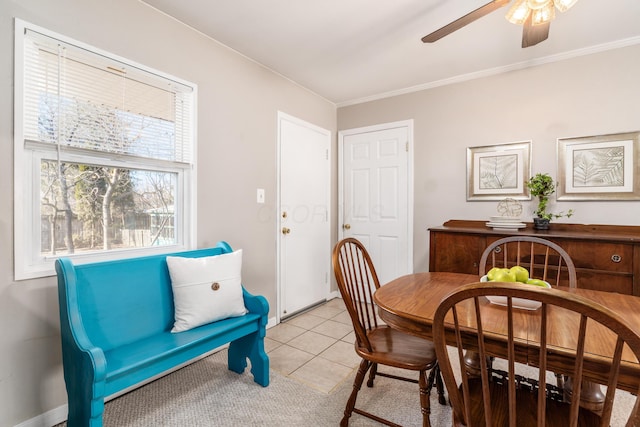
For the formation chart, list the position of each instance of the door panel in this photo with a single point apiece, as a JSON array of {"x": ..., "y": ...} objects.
[
  {"x": 375, "y": 195},
  {"x": 303, "y": 233}
]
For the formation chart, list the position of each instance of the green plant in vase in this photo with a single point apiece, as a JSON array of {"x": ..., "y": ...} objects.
[{"x": 541, "y": 185}]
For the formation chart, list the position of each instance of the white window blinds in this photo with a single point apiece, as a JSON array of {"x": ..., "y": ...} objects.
[{"x": 80, "y": 99}]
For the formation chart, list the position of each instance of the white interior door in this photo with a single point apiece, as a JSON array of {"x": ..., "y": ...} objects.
[
  {"x": 376, "y": 184},
  {"x": 304, "y": 244}
]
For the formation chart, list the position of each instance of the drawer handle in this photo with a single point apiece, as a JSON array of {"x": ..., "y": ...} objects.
[{"x": 616, "y": 258}]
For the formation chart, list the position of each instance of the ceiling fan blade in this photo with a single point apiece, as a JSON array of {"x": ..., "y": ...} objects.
[
  {"x": 534, "y": 34},
  {"x": 465, "y": 20}
]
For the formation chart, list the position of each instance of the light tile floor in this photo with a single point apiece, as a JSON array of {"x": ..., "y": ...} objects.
[{"x": 315, "y": 347}]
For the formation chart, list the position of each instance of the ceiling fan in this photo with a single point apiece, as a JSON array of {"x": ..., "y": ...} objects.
[{"x": 534, "y": 15}]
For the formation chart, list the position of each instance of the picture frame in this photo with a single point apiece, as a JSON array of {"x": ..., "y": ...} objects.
[
  {"x": 496, "y": 172},
  {"x": 603, "y": 167}
]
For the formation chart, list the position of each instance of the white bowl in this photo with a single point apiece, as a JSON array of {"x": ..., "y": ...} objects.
[{"x": 517, "y": 302}]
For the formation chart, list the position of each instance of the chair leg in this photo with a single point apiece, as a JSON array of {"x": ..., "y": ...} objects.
[
  {"x": 357, "y": 384},
  {"x": 560, "y": 381},
  {"x": 425, "y": 392},
  {"x": 440, "y": 386},
  {"x": 435, "y": 377},
  {"x": 372, "y": 374}
]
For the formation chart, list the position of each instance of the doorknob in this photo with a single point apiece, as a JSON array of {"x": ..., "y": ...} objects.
[
  {"x": 347, "y": 226},
  {"x": 285, "y": 230}
]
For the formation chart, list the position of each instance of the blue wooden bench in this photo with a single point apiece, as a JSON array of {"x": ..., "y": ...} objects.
[{"x": 115, "y": 320}]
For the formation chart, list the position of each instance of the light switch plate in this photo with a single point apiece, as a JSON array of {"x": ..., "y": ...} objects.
[{"x": 260, "y": 195}]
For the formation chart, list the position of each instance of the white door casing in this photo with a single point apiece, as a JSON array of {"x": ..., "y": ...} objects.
[
  {"x": 376, "y": 194},
  {"x": 304, "y": 238}
]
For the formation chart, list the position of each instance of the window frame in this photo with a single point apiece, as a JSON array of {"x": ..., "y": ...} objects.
[{"x": 28, "y": 262}]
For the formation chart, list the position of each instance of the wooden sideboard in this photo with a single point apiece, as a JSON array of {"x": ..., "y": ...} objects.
[{"x": 607, "y": 257}]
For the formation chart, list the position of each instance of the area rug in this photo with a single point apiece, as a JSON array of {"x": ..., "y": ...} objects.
[{"x": 206, "y": 393}]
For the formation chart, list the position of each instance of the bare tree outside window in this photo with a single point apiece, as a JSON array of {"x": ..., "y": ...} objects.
[{"x": 90, "y": 207}]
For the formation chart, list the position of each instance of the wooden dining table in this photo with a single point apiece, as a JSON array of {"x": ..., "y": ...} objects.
[{"x": 408, "y": 303}]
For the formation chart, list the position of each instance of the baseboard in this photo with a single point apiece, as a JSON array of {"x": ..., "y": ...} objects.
[
  {"x": 48, "y": 419},
  {"x": 272, "y": 322}
]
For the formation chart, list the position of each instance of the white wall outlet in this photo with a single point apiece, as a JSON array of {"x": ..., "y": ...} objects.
[{"x": 260, "y": 195}]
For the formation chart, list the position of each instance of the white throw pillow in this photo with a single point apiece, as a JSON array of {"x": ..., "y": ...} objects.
[{"x": 206, "y": 289}]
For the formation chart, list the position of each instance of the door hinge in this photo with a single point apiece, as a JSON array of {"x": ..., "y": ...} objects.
[
  {"x": 406, "y": 146},
  {"x": 326, "y": 154}
]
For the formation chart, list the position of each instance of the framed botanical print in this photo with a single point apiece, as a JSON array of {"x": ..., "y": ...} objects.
[
  {"x": 604, "y": 167},
  {"x": 495, "y": 172}
]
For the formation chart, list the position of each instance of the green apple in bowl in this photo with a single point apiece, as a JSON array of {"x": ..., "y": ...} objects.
[
  {"x": 516, "y": 273},
  {"x": 499, "y": 275},
  {"x": 538, "y": 282},
  {"x": 504, "y": 275},
  {"x": 491, "y": 274},
  {"x": 521, "y": 273}
]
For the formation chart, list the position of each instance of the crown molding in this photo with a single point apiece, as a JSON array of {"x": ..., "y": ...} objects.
[{"x": 497, "y": 70}]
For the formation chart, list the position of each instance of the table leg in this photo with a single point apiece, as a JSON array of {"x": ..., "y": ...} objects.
[
  {"x": 472, "y": 363},
  {"x": 591, "y": 395}
]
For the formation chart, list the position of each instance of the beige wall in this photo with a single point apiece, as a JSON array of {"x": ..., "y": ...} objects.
[
  {"x": 238, "y": 102},
  {"x": 589, "y": 95}
]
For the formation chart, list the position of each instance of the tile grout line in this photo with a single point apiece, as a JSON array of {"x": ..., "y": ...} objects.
[{"x": 327, "y": 309}]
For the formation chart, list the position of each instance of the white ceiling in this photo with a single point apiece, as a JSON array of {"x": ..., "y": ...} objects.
[{"x": 350, "y": 51}]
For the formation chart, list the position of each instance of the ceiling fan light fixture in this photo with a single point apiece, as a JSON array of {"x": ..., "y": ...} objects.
[
  {"x": 519, "y": 12},
  {"x": 543, "y": 15},
  {"x": 538, "y": 4},
  {"x": 564, "y": 5},
  {"x": 534, "y": 15}
]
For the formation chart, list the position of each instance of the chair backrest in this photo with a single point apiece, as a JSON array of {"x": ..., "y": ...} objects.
[
  {"x": 544, "y": 259},
  {"x": 464, "y": 315},
  {"x": 357, "y": 281}
]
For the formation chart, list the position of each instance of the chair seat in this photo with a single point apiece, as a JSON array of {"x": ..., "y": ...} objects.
[
  {"x": 394, "y": 348},
  {"x": 556, "y": 414}
]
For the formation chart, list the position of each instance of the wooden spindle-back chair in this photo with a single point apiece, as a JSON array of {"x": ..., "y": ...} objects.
[
  {"x": 468, "y": 319},
  {"x": 544, "y": 259},
  {"x": 377, "y": 343}
]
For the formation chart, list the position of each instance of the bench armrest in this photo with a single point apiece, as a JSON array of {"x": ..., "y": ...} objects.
[
  {"x": 256, "y": 304},
  {"x": 79, "y": 354}
]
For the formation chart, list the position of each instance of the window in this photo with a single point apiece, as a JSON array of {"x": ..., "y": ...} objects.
[{"x": 104, "y": 155}]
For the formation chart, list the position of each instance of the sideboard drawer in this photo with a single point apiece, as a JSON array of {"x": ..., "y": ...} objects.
[
  {"x": 601, "y": 256},
  {"x": 603, "y": 281}
]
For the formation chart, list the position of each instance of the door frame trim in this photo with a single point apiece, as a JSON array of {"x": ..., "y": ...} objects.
[
  {"x": 284, "y": 116},
  {"x": 410, "y": 199}
]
